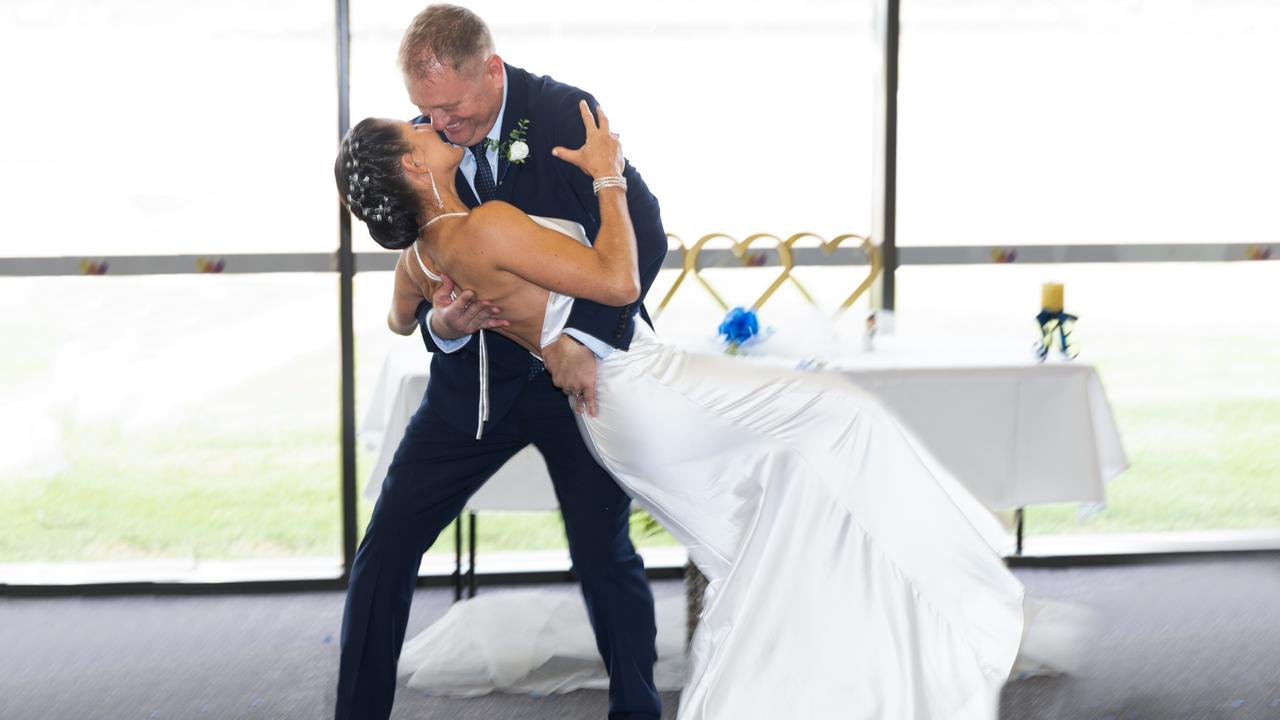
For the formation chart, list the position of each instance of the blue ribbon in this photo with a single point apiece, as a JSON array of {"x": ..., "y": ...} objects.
[
  {"x": 1050, "y": 323},
  {"x": 1047, "y": 316}
]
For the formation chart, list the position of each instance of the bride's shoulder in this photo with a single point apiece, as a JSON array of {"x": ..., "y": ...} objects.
[
  {"x": 495, "y": 211},
  {"x": 497, "y": 221}
]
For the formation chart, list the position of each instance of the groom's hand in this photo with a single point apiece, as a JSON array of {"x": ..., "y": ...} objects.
[
  {"x": 573, "y": 369},
  {"x": 460, "y": 316}
]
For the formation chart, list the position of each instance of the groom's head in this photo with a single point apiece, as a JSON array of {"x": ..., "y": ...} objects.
[{"x": 452, "y": 73}]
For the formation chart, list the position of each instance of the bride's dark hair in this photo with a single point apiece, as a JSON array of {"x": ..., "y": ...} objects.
[{"x": 372, "y": 183}]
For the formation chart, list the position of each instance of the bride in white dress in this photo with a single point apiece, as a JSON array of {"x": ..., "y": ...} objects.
[{"x": 850, "y": 576}]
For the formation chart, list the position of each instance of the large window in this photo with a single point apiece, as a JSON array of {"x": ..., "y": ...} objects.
[
  {"x": 182, "y": 418},
  {"x": 155, "y": 423},
  {"x": 151, "y": 128},
  {"x": 1059, "y": 122},
  {"x": 169, "y": 415},
  {"x": 710, "y": 99},
  {"x": 1184, "y": 352}
]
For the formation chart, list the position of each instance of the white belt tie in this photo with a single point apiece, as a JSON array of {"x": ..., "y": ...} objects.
[{"x": 482, "y": 411}]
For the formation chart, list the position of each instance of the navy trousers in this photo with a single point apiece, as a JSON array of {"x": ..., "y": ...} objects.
[{"x": 434, "y": 471}]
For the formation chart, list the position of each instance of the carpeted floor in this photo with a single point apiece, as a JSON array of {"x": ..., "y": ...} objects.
[{"x": 1196, "y": 640}]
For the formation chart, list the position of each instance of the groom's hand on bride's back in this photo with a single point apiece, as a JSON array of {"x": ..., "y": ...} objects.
[{"x": 456, "y": 317}]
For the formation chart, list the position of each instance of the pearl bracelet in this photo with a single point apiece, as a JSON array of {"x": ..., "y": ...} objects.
[{"x": 609, "y": 181}]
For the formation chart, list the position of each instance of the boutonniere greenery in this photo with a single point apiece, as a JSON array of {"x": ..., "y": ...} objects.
[{"x": 514, "y": 147}]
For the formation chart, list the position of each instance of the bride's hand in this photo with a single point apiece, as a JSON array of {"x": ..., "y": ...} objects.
[{"x": 601, "y": 155}]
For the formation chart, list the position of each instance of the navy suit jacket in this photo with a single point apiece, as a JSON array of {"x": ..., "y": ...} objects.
[{"x": 547, "y": 186}]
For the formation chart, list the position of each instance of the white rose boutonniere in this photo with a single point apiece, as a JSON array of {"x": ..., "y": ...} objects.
[{"x": 514, "y": 147}]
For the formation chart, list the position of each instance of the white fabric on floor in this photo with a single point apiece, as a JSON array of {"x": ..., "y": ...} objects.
[{"x": 528, "y": 641}]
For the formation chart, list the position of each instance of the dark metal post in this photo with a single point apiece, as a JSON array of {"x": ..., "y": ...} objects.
[
  {"x": 1018, "y": 518},
  {"x": 884, "y": 212},
  {"x": 471, "y": 548},
  {"x": 346, "y": 317}
]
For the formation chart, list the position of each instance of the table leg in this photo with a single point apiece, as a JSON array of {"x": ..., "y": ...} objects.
[
  {"x": 1017, "y": 524},
  {"x": 457, "y": 558},
  {"x": 471, "y": 546}
]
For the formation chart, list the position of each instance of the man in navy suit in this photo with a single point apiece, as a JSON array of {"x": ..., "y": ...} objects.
[{"x": 455, "y": 441}]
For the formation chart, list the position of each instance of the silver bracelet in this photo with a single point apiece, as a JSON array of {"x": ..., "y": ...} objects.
[{"x": 609, "y": 181}]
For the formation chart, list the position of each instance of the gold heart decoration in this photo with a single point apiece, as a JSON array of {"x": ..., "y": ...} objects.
[
  {"x": 828, "y": 247},
  {"x": 740, "y": 248},
  {"x": 873, "y": 259},
  {"x": 684, "y": 270},
  {"x": 790, "y": 243}
]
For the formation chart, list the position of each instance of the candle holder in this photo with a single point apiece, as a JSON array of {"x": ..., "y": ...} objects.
[{"x": 1056, "y": 323}]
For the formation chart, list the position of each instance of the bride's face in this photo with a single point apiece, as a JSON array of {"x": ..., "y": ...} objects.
[{"x": 427, "y": 148}]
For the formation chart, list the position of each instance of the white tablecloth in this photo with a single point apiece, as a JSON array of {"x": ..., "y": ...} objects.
[{"x": 1015, "y": 433}]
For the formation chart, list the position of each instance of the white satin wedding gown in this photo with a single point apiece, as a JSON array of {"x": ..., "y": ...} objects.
[{"x": 850, "y": 575}]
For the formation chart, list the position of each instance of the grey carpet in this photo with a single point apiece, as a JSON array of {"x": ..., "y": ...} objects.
[{"x": 1192, "y": 640}]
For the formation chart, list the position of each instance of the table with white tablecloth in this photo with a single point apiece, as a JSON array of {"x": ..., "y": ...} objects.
[{"x": 1014, "y": 432}]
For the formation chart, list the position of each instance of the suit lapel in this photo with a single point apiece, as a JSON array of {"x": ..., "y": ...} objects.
[{"x": 517, "y": 108}]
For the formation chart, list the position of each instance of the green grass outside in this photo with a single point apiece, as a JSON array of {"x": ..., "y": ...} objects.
[{"x": 1193, "y": 466}]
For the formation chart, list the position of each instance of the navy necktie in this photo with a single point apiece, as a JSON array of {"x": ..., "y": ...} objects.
[{"x": 484, "y": 176}]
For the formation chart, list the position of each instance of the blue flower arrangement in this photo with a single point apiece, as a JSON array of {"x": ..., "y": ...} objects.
[{"x": 739, "y": 326}]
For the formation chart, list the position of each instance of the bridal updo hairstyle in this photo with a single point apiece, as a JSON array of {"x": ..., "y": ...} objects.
[{"x": 372, "y": 183}]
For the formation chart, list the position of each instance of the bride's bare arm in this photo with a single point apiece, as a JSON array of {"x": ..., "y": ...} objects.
[
  {"x": 548, "y": 259},
  {"x": 406, "y": 296},
  {"x": 606, "y": 273},
  {"x": 412, "y": 286}
]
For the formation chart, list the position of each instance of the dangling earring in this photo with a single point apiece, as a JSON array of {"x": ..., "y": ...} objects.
[{"x": 435, "y": 191}]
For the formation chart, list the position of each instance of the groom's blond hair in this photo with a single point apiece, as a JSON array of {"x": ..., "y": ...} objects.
[{"x": 443, "y": 36}]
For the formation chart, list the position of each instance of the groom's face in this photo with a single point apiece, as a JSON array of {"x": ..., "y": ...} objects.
[{"x": 461, "y": 103}]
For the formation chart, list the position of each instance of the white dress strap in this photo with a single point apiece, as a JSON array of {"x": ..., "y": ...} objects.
[{"x": 423, "y": 265}]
